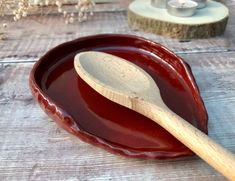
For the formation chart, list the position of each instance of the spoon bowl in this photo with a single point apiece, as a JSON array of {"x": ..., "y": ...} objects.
[{"x": 119, "y": 77}]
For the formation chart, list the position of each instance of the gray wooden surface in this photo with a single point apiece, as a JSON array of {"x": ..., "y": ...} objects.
[{"x": 33, "y": 147}]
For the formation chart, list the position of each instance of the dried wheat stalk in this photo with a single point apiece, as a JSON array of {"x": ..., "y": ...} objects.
[{"x": 22, "y": 8}]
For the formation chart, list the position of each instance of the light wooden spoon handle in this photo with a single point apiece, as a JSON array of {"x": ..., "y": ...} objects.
[{"x": 214, "y": 154}]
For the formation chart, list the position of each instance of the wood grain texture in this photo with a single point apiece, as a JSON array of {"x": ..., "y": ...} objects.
[{"x": 34, "y": 36}]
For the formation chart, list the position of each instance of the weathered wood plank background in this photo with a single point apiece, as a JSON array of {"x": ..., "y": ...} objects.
[{"x": 33, "y": 147}]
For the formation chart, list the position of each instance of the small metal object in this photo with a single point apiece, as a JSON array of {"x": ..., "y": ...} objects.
[
  {"x": 159, "y": 3},
  {"x": 185, "y": 9},
  {"x": 201, "y": 3}
]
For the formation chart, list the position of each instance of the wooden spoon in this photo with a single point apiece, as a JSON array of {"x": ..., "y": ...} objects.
[{"x": 128, "y": 85}]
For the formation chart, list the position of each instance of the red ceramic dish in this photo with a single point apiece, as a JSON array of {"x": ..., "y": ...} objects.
[{"x": 94, "y": 119}]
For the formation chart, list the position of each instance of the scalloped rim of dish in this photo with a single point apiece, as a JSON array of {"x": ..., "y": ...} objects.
[{"x": 66, "y": 121}]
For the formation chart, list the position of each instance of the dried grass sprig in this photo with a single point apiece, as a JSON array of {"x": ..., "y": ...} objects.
[{"x": 22, "y": 8}]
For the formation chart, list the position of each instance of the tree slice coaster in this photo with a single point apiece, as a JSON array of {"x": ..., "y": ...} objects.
[{"x": 207, "y": 22}]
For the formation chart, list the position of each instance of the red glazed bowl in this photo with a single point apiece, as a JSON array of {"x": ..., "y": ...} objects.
[{"x": 94, "y": 119}]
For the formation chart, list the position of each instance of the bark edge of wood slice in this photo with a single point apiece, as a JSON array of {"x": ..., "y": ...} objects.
[{"x": 142, "y": 16}]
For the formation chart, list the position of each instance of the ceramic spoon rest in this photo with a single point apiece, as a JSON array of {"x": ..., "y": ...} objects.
[{"x": 94, "y": 119}]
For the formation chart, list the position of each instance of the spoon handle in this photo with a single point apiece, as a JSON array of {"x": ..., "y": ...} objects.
[{"x": 206, "y": 148}]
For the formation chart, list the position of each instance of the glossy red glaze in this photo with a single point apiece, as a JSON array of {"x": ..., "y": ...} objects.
[{"x": 95, "y": 119}]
